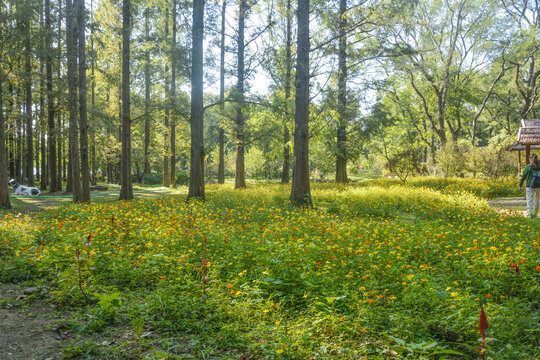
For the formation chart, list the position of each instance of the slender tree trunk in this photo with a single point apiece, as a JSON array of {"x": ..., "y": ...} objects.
[
  {"x": 51, "y": 138},
  {"x": 28, "y": 108},
  {"x": 59, "y": 130},
  {"x": 147, "y": 85},
  {"x": 301, "y": 192},
  {"x": 221, "y": 131},
  {"x": 173, "y": 97},
  {"x": 19, "y": 126},
  {"x": 4, "y": 190},
  {"x": 42, "y": 119},
  {"x": 83, "y": 116},
  {"x": 341, "y": 160},
  {"x": 126, "y": 191},
  {"x": 240, "y": 176},
  {"x": 92, "y": 130},
  {"x": 166, "y": 175},
  {"x": 72, "y": 35},
  {"x": 285, "y": 177},
  {"x": 196, "y": 178},
  {"x": 12, "y": 134}
]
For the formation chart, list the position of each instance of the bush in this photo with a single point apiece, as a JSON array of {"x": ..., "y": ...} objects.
[
  {"x": 451, "y": 159},
  {"x": 152, "y": 179},
  {"x": 491, "y": 161},
  {"x": 182, "y": 178}
]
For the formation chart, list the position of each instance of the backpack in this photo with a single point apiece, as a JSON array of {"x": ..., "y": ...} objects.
[{"x": 535, "y": 178}]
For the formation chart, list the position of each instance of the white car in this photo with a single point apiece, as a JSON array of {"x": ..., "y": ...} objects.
[{"x": 19, "y": 189}]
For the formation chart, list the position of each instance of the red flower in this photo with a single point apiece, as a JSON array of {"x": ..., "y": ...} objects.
[{"x": 483, "y": 324}]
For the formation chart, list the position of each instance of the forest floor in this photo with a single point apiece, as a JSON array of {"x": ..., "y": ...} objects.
[
  {"x": 32, "y": 328},
  {"x": 28, "y": 324}
]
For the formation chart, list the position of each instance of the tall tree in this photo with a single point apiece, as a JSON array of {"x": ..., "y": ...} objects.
[
  {"x": 93, "y": 95},
  {"x": 240, "y": 176},
  {"x": 42, "y": 119},
  {"x": 221, "y": 130},
  {"x": 83, "y": 117},
  {"x": 147, "y": 85},
  {"x": 196, "y": 179},
  {"x": 173, "y": 97},
  {"x": 126, "y": 191},
  {"x": 4, "y": 191},
  {"x": 301, "y": 192},
  {"x": 58, "y": 133},
  {"x": 166, "y": 175},
  {"x": 28, "y": 14},
  {"x": 71, "y": 38},
  {"x": 341, "y": 159},
  {"x": 285, "y": 177},
  {"x": 51, "y": 139}
]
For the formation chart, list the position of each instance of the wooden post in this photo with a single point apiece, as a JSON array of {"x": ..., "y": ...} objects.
[
  {"x": 519, "y": 162},
  {"x": 527, "y": 153}
]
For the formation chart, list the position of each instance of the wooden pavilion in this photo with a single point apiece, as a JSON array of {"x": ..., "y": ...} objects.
[{"x": 528, "y": 139}]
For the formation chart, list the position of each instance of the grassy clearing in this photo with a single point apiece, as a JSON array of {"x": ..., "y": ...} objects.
[{"x": 377, "y": 270}]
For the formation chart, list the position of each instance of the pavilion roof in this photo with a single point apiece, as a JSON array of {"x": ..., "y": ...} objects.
[{"x": 529, "y": 132}]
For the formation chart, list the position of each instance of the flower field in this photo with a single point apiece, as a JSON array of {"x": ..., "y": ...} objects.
[{"x": 375, "y": 271}]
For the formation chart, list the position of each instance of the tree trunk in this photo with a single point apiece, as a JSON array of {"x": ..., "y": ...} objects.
[
  {"x": 51, "y": 138},
  {"x": 147, "y": 85},
  {"x": 166, "y": 175},
  {"x": 126, "y": 191},
  {"x": 285, "y": 176},
  {"x": 4, "y": 190},
  {"x": 72, "y": 35},
  {"x": 12, "y": 134},
  {"x": 173, "y": 97},
  {"x": 58, "y": 132},
  {"x": 240, "y": 176},
  {"x": 221, "y": 131},
  {"x": 83, "y": 116},
  {"x": 196, "y": 178},
  {"x": 301, "y": 192},
  {"x": 28, "y": 108},
  {"x": 43, "y": 124},
  {"x": 341, "y": 159},
  {"x": 93, "y": 132}
]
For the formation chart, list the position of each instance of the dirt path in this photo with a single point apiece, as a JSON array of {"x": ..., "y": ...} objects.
[
  {"x": 513, "y": 204},
  {"x": 27, "y": 327}
]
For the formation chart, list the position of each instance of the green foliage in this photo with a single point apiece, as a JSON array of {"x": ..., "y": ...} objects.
[
  {"x": 364, "y": 274},
  {"x": 452, "y": 159}
]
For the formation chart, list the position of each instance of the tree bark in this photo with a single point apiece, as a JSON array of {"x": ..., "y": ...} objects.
[
  {"x": 92, "y": 128},
  {"x": 166, "y": 175},
  {"x": 285, "y": 176},
  {"x": 221, "y": 131},
  {"x": 126, "y": 191},
  {"x": 51, "y": 139},
  {"x": 147, "y": 85},
  {"x": 58, "y": 132},
  {"x": 173, "y": 97},
  {"x": 28, "y": 106},
  {"x": 240, "y": 176},
  {"x": 4, "y": 190},
  {"x": 301, "y": 192},
  {"x": 83, "y": 116},
  {"x": 341, "y": 159},
  {"x": 72, "y": 35},
  {"x": 196, "y": 178}
]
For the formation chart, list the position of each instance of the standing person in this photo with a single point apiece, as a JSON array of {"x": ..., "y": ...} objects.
[{"x": 532, "y": 191}]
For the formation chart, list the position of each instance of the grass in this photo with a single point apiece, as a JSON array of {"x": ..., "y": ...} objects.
[{"x": 377, "y": 270}]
